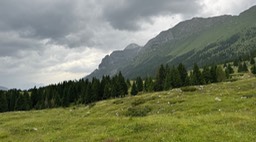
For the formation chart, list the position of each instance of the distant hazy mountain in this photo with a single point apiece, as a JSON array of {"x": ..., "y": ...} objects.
[
  {"x": 199, "y": 40},
  {"x": 3, "y": 88},
  {"x": 116, "y": 61}
]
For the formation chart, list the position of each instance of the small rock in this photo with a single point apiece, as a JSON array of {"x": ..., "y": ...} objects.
[
  {"x": 35, "y": 129},
  {"x": 218, "y": 99}
]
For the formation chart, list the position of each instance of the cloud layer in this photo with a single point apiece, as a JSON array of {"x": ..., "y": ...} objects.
[{"x": 45, "y": 41}]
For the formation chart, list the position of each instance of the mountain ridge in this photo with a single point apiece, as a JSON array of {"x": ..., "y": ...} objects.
[{"x": 198, "y": 40}]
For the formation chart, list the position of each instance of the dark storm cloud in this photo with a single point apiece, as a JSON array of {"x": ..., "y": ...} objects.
[
  {"x": 37, "y": 19},
  {"x": 126, "y": 15}
]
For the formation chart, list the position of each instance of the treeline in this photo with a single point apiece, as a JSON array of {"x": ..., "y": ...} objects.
[
  {"x": 86, "y": 92},
  {"x": 173, "y": 77},
  {"x": 64, "y": 94}
]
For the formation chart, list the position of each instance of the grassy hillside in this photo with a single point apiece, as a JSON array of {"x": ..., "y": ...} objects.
[{"x": 216, "y": 112}]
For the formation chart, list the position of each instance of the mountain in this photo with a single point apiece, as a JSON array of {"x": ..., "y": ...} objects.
[
  {"x": 199, "y": 40},
  {"x": 116, "y": 61},
  {"x": 3, "y": 88}
]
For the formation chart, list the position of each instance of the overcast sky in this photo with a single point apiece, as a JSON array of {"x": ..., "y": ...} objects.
[{"x": 49, "y": 41}]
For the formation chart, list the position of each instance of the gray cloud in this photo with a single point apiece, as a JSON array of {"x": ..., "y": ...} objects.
[
  {"x": 48, "y": 41},
  {"x": 126, "y": 15}
]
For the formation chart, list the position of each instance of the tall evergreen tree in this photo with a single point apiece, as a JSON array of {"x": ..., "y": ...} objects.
[
  {"x": 183, "y": 74},
  {"x": 168, "y": 80},
  {"x": 139, "y": 84},
  {"x": 3, "y": 102},
  {"x": 253, "y": 69},
  {"x": 176, "y": 79},
  {"x": 134, "y": 90},
  {"x": 149, "y": 85},
  {"x": 252, "y": 61},
  {"x": 240, "y": 67},
  {"x": 245, "y": 68},
  {"x": 196, "y": 77},
  {"x": 160, "y": 79},
  {"x": 221, "y": 75},
  {"x": 213, "y": 73},
  {"x": 206, "y": 73},
  {"x": 235, "y": 63}
]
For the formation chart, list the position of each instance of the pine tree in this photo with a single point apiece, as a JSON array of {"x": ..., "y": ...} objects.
[
  {"x": 107, "y": 91},
  {"x": 245, "y": 68},
  {"x": 3, "y": 102},
  {"x": 139, "y": 84},
  {"x": 160, "y": 79},
  {"x": 149, "y": 85},
  {"x": 168, "y": 80},
  {"x": 183, "y": 74},
  {"x": 240, "y": 67},
  {"x": 253, "y": 69},
  {"x": 196, "y": 77},
  {"x": 122, "y": 87},
  {"x": 235, "y": 63},
  {"x": 252, "y": 62},
  {"x": 229, "y": 70},
  {"x": 176, "y": 79},
  {"x": 213, "y": 73},
  {"x": 221, "y": 75},
  {"x": 134, "y": 90},
  {"x": 206, "y": 73}
]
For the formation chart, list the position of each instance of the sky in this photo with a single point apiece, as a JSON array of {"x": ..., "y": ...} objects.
[{"x": 44, "y": 42}]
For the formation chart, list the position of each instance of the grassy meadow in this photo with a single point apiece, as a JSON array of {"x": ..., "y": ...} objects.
[{"x": 213, "y": 113}]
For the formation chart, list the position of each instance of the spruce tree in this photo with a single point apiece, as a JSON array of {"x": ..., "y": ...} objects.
[
  {"x": 196, "y": 77},
  {"x": 139, "y": 84},
  {"x": 213, "y": 73},
  {"x": 176, "y": 79},
  {"x": 240, "y": 67},
  {"x": 160, "y": 79},
  {"x": 252, "y": 61},
  {"x": 3, "y": 102},
  {"x": 134, "y": 90},
  {"x": 183, "y": 74},
  {"x": 221, "y": 75},
  {"x": 245, "y": 68},
  {"x": 168, "y": 81},
  {"x": 206, "y": 73},
  {"x": 253, "y": 69},
  {"x": 149, "y": 85},
  {"x": 235, "y": 63}
]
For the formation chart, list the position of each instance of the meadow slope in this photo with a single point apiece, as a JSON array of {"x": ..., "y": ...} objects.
[{"x": 216, "y": 112}]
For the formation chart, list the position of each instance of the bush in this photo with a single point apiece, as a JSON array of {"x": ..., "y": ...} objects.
[
  {"x": 188, "y": 89},
  {"x": 138, "y": 111},
  {"x": 91, "y": 105},
  {"x": 138, "y": 102},
  {"x": 117, "y": 102}
]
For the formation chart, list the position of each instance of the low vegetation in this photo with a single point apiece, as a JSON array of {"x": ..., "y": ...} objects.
[{"x": 215, "y": 112}]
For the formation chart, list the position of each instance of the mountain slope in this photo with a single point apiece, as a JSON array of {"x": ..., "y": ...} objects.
[
  {"x": 116, "y": 61},
  {"x": 199, "y": 40},
  {"x": 223, "y": 112}
]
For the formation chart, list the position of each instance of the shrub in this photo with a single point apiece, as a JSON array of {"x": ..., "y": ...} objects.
[
  {"x": 117, "y": 102},
  {"x": 138, "y": 111},
  {"x": 188, "y": 89},
  {"x": 138, "y": 102},
  {"x": 91, "y": 105}
]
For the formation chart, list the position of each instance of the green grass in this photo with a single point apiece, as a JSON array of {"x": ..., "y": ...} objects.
[{"x": 170, "y": 116}]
